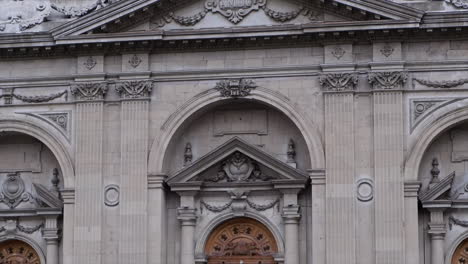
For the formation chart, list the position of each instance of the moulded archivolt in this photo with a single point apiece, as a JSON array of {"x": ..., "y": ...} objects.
[{"x": 365, "y": 190}]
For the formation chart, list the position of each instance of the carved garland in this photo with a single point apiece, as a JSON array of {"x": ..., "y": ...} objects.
[
  {"x": 216, "y": 209},
  {"x": 29, "y": 230},
  {"x": 441, "y": 84},
  {"x": 454, "y": 221},
  {"x": 39, "y": 98},
  {"x": 260, "y": 207},
  {"x": 458, "y": 3}
]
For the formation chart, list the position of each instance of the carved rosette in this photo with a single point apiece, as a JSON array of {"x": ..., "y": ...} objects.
[
  {"x": 235, "y": 88},
  {"x": 234, "y": 11},
  {"x": 89, "y": 91},
  {"x": 134, "y": 89},
  {"x": 339, "y": 82},
  {"x": 388, "y": 80}
]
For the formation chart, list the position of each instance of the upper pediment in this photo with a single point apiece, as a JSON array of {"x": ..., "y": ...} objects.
[
  {"x": 237, "y": 163},
  {"x": 233, "y": 15}
]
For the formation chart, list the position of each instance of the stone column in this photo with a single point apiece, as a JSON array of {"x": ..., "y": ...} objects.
[
  {"x": 68, "y": 196},
  {"x": 318, "y": 216},
  {"x": 157, "y": 220},
  {"x": 340, "y": 165},
  {"x": 88, "y": 167},
  {"x": 188, "y": 219},
  {"x": 291, "y": 217},
  {"x": 388, "y": 161},
  {"x": 50, "y": 235},
  {"x": 411, "y": 222},
  {"x": 437, "y": 229},
  {"x": 134, "y": 170}
]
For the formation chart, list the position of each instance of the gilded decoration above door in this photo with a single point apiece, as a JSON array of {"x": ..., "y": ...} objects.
[
  {"x": 241, "y": 239},
  {"x": 18, "y": 252}
]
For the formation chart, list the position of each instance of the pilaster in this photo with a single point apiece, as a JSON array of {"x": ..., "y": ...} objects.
[
  {"x": 68, "y": 196},
  {"x": 317, "y": 181},
  {"x": 388, "y": 161},
  {"x": 291, "y": 217},
  {"x": 88, "y": 155},
  {"x": 50, "y": 233},
  {"x": 157, "y": 234},
  {"x": 188, "y": 218},
  {"x": 339, "y": 146},
  {"x": 134, "y": 168},
  {"x": 411, "y": 222},
  {"x": 437, "y": 229}
]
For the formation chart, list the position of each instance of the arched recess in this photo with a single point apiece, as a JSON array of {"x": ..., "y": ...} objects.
[
  {"x": 263, "y": 95},
  {"x": 29, "y": 242},
  {"x": 457, "y": 247},
  {"x": 221, "y": 219},
  {"x": 42, "y": 131},
  {"x": 429, "y": 130}
]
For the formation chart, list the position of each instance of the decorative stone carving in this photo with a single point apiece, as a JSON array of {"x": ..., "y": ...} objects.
[
  {"x": 235, "y": 88},
  {"x": 188, "y": 20},
  {"x": 339, "y": 81},
  {"x": 7, "y": 95},
  {"x": 89, "y": 91},
  {"x": 455, "y": 221},
  {"x": 239, "y": 168},
  {"x": 55, "y": 181},
  {"x": 29, "y": 230},
  {"x": 134, "y": 61},
  {"x": 282, "y": 16},
  {"x": 458, "y": 3},
  {"x": 441, "y": 84},
  {"x": 13, "y": 191},
  {"x": 234, "y": 10},
  {"x": 264, "y": 207},
  {"x": 435, "y": 171},
  {"x": 291, "y": 152},
  {"x": 40, "y": 98},
  {"x": 72, "y": 11},
  {"x": 19, "y": 15},
  {"x": 112, "y": 195},
  {"x": 338, "y": 52},
  {"x": 421, "y": 107},
  {"x": 365, "y": 190},
  {"x": 387, "y": 50},
  {"x": 388, "y": 80},
  {"x": 134, "y": 89},
  {"x": 90, "y": 63},
  {"x": 216, "y": 209},
  {"x": 188, "y": 154},
  {"x": 61, "y": 119}
]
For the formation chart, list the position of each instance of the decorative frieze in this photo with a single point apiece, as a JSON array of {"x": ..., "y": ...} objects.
[
  {"x": 234, "y": 11},
  {"x": 441, "y": 84},
  {"x": 387, "y": 80},
  {"x": 89, "y": 91},
  {"x": 339, "y": 81},
  {"x": 236, "y": 87},
  {"x": 134, "y": 89},
  {"x": 9, "y": 94}
]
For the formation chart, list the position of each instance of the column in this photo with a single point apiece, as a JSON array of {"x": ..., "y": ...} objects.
[
  {"x": 88, "y": 168},
  {"x": 291, "y": 217},
  {"x": 50, "y": 235},
  {"x": 134, "y": 170},
  {"x": 68, "y": 196},
  {"x": 188, "y": 219},
  {"x": 340, "y": 166},
  {"x": 411, "y": 222},
  {"x": 318, "y": 216},
  {"x": 388, "y": 162},
  {"x": 157, "y": 220},
  {"x": 437, "y": 229}
]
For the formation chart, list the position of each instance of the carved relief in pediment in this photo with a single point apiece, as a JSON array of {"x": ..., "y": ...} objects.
[
  {"x": 19, "y": 15},
  {"x": 237, "y": 168}
]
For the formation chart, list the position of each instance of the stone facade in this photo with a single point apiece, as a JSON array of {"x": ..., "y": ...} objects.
[{"x": 233, "y": 131}]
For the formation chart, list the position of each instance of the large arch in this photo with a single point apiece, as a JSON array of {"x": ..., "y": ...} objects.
[
  {"x": 56, "y": 142},
  {"x": 426, "y": 132},
  {"x": 213, "y": 224},
  {"x": 274, "y": 99}
]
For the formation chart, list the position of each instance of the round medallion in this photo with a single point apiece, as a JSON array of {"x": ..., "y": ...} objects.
[
  {"x": 13, "y": 186},
  {"x": 112, "y": 195},
  {"x": 365, "y": 190}
]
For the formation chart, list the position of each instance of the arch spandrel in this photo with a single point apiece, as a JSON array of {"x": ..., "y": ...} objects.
[{"x": 205, "y": 99}]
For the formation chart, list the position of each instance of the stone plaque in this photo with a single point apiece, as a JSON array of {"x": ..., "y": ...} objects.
[
  {"x": 459, "y": 145},
  {"x": 230, "y": 122},
  {"x": 20, "y": 157}
]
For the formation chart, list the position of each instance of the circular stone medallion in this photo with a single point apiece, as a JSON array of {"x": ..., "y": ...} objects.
[{"x": 365, "y": 190}]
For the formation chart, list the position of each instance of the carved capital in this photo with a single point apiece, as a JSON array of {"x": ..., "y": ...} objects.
[
  {"x": 134, "y": 89},
  {"x": 187, "y": 216},
  {"x": 339, "y": 82},
  {"x": 387, "y": 80},
  {"x": 291, "y": 214},
  {"x": 89, "y": 91}
]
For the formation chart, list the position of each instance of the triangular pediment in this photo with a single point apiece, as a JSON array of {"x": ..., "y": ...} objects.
[
  {"x": 237, "y": 162},
  {"x": 438, "y": 191},
  {"x": 159, "y": 16}
]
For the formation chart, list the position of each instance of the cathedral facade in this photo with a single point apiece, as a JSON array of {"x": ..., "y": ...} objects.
[{"x": 233, "y": 132}]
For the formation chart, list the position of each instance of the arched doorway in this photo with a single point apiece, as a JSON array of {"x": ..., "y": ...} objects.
[
  {"x": 460, "y": 256},
  {"x": 18, "y": 252},
  {"x": 241, "y": 240}
]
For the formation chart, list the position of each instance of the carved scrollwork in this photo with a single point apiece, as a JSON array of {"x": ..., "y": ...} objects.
[
  {"x": 339, "y": 81},
  {"x": 282, "y": 16},
  {"x": 234, "y": 11},
  {"x": 134, "y": 89},
  {"x": 388, "y": 80},
  {"x": 89, "y": 91},
  {"x": 235, "y": 88},
  {"x": 14, "y": 191}
]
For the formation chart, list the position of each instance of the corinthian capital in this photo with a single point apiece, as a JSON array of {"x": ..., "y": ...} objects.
[
  {"x": 339, "y": 81},
  {"x": 134, "y": 89},
  {"x": 89, "y": 91}
]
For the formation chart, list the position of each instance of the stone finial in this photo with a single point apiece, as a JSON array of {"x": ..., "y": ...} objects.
[
  {"x": 55, "y": 180},
  {"x": 291, "y": 152},
  {"x": 435, "y": 171},
  {"x": 188, "y": 154}
]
